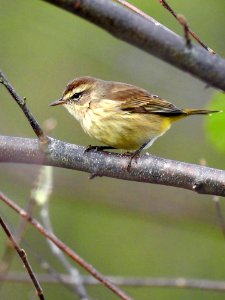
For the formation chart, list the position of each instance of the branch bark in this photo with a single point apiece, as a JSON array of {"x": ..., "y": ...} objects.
[
  {"x": 148, "y": 168},
  {"x": 150, "y": 36}
]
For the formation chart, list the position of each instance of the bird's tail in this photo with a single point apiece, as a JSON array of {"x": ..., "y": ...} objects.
[{"x": 189, "y": 112}]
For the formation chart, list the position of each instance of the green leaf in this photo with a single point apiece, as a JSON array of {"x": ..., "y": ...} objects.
[{"x": 215, "y": 125}]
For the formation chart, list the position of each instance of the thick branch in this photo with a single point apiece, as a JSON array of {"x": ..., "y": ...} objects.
[
  {"x": 148, "y": 168},
  {"x": 151, "y": 36}
]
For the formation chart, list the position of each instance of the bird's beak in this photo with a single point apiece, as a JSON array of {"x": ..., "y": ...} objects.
[{"x": 57, "y": 102}]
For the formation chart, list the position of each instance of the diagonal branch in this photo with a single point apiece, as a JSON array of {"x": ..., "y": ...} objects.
[
  {"x": 150, "y": 36},
  {"x": 72, "y": 254},
  {"x": 22, "y": 104},
  {"x": 23, "y": 257},
  {"x": 148, "y": 168},
  {"x": 187, "y": 29}
]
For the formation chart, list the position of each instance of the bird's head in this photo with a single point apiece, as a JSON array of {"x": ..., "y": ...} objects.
[{"x": 77, "y": 92}]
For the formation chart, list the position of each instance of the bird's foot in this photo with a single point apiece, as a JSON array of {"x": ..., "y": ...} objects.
[
  {"x": 97, "y": 148},
  {"x": 133, "y": 156},
  {"x": 127, "y": 153}
]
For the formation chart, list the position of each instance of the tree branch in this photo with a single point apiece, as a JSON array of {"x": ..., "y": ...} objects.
[
  {"x": 23, "y": 256},
  {"x": 22, "y": 104},
  {"x": 149, "y": 35},
  {"x": 72, "y": 254},
  {"x": 148, "y": 168},
  {"x": 187, "y": 30},
  {"x": 162, "y": 282}
]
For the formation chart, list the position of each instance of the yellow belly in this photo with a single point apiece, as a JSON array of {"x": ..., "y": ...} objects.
[{"x": 123, "y": 130}]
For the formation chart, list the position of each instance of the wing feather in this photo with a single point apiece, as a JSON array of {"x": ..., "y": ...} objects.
[{"x": 135, "y": 100}]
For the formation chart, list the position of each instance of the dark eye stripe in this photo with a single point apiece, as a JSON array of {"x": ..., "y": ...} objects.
[{"x": 76, "y": 96}]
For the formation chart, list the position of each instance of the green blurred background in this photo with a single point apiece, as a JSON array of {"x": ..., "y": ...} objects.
[{"x": 122, "y": 228}]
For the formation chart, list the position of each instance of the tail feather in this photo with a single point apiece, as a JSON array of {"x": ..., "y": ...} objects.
[{"x": 188, "y": 111}]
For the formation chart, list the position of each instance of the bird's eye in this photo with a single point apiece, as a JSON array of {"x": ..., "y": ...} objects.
[{"x": 76, "y": 96}]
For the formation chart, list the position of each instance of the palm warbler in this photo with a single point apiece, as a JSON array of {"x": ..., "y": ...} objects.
[{"x": 120, "y": 115}]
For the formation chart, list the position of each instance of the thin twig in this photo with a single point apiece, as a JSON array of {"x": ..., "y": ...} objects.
[
  {"x": 24, "y": 259},
  {"x": 144, "y": 282},
  {"x": 8, "y": 253},
  {"x": 150, "y": 36},
  {"x": 179, "y": 17},
  {"x": 134, "y": 9},
  {"x": 89, "y": 268},
  {"x": 44, "y": 264},
  {"x": 74, "y": 273},
  {"x": 219, "y": 214},
  {"x": 41, "y": 194},
  {"x": 187, "y": 28},
  {"x": 22, "y": 104}
]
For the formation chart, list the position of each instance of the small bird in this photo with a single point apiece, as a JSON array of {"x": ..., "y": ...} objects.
[{"x": 120, "y": 115}]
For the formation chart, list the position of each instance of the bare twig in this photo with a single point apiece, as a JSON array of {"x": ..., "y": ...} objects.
[
  {"x": 41, "y": 194},
  {"x": 219, "y": 214},
  {"x": 75, "y": 275},
  {"x": 89, "y": 268},
  {"x": 22, "y": 104},
  {"x": 187, "y": 28},
  {"x": 134, "y": 9},
  {"x": 149, "y": 35},
  {"x": 8, "y": 253},
  {"x": 181, "y": 19},
  {"x": 181, "y": 283},
  {"x": 24, "y": 259},
  {"x": 148, "y": 168},
  {"x": 46, "y": 266}
]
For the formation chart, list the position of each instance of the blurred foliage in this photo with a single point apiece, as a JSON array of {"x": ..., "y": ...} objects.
[
  {"x": 122, "y": 228},
  {"x": 215, "y": 127}
]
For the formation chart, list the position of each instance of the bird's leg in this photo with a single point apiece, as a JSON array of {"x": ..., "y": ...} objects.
[
  {"x": 98, "y": 148},
  {"x": 135, "y": 155}
]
